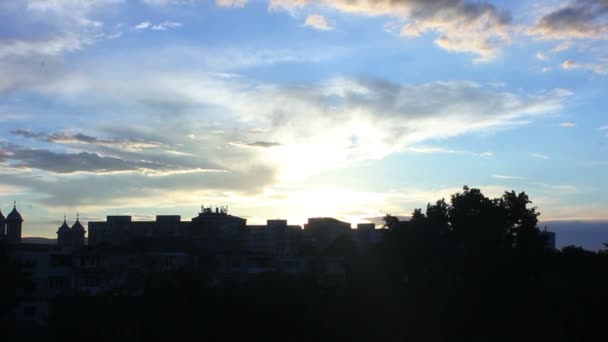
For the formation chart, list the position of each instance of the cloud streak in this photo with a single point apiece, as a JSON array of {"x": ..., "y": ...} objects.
[{"x": 79, "y": 138}]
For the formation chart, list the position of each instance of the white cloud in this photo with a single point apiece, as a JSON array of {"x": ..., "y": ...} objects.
[
  {"x": 545, "y": 69},
  {"x": 432, "y": 149},
  {"x": 318, "y": 22},
  {"x": 231, "y": 3},
  {"x": 50, "y": 46},
  {"x": 142, "y": 26},
  {"x": 567, "y": 124},
  {"x": 166, "y": 2},
  {"x": 563, "y": 46},
  {"x": 605, "y": 127},
  {"x": 541, "y": 56},
  {"x": 165, "y": 25},
  {"x": 507, "y": 177},
  {"x": 539, "y": 156}
]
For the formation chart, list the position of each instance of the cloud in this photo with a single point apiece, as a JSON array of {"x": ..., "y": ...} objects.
[
  {"x": 337, "y": 122},
  {"x": 79, "y": 138},
  {"x": 545, "y": 69},
  {"x": 35, "y": 34},
  {"x": 264, "y": 144},
  {"x": 563, "y": 46},
  {"x": 603, "y": 128},
  {"x": 231, "y": 3},
  {"x": 54, "y": 45},
  {"x": 580, "y": 19},
  {"x": 539, "y": 156},
  {"x": 165, "y": 25},
  {"x": 139, "y": 189},
  {"x": 25, "y": 158},
  {"x": 431, "y": 149},
  {"x": 474, "y": 27},
  {"x": 166, "y": 2},
  {"x": 600, "y": 68},
  {"x": 570, "y": 64},
  {"x": 567, "y": 124},
  {"x": 507, "y": 177},
  {"x": 318, "y": 22},
  {"x": 142, "y": 26},
  {"x": 541, "y": 56},
  {"x": 257, "y": 144}
]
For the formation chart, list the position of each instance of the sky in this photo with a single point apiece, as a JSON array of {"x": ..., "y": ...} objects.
[{"x": 299, "y": 108}]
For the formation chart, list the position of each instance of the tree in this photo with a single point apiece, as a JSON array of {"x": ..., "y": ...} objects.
[
  {"x": 521, "y": 221},
  {"x": 477, "y": 221}
]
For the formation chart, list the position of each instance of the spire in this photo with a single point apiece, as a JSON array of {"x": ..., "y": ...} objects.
[
  {"x": 77, "y": 226},
  {"x": 64, "y": 227},
  {"x": 14, "y": 214}
]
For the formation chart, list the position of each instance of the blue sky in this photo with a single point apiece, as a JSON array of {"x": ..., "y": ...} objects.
[{"x": 299, "y": 108}]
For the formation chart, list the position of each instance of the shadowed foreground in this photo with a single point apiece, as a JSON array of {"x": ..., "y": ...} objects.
[{"x": 476, "y": 269}]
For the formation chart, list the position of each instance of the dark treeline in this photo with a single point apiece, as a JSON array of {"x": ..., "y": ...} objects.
[{"x": 471, "y": 269}]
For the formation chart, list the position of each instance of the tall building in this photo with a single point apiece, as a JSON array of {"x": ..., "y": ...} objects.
[{"x": 13, "y": 226}]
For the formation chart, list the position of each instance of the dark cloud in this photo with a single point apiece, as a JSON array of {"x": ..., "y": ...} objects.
[
  {"x": 265, "y": 144},
  {"x": 79, "y": 138},
  {"x": 41, "y": 159},
  {"x": 579, "y": 19}
]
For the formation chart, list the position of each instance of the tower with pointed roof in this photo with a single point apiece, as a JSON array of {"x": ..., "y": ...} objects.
[
  {"x": 63, "y": 234},
  {"x": 2, "y": 225},
  {"x": 77, "y": 233},
  {"x": 13, "y": 226}
]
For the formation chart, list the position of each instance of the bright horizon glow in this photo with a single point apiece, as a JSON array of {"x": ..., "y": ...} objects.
[{"x": 294, "y": 109}]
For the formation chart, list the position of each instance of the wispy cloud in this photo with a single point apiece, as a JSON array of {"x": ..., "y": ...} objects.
[
  {"x": 538, "y": 155},
  {"x": 600, "y": 67},
  {"x": 25, "y": 158},
  {"x": 433, "y": 149},
  {"x": 507, "y": 177},
  {"x": 79, "y": 138},
  {"x": 142, "y": 26},
  {"x": 541, "y": 56},
  {"x": 166, "y": 25},
  {"x": 567, "y": 124},
  {"x": 231, "y": 3},
  {"x": 318, "y": 22},
  {"x": 259, "y": 144}
]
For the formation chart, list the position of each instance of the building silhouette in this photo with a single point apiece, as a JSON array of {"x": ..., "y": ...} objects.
[
  {"x": 71, "y": 237},
  {"x": 13, "y": 226}
]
